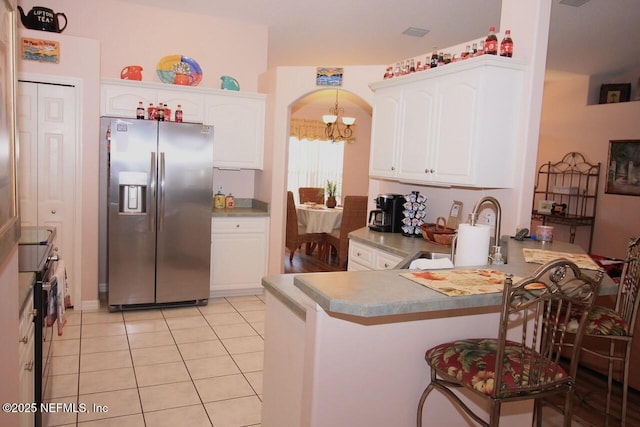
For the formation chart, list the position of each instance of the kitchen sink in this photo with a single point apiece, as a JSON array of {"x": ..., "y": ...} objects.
[{"x": 404, "y": 264}]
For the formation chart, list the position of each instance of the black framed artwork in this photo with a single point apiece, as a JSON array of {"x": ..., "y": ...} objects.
[
  {"x": 623, "y": 174},
  {"x": 612, "y": 93}
]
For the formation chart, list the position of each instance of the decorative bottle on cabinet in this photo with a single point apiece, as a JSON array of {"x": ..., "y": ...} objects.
[
  {"x": 491, "y": 42},
  {"x": 178, "y": 115},
  {"x": 140, "y": 111},
  {"x": 506, "y": 46}
]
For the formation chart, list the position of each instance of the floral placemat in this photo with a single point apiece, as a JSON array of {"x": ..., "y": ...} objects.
[
  {"x": 541, "y": 256},
  {"x": 461, "y": 282}
]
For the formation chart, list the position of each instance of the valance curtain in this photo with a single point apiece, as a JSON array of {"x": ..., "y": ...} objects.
[{"x": 313, "y": 130}]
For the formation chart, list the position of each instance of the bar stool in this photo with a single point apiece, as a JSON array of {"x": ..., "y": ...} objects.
[
  {"x": 617, "y": 326},
  {"x": 536, "y": 311}
]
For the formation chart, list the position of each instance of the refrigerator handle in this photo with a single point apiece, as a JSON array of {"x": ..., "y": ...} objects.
[
  {"x": 161, "y": 215},
  {"x": 152, "y": 174}
]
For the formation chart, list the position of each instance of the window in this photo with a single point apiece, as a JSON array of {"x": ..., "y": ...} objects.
[{"x": 312, "y": 163}]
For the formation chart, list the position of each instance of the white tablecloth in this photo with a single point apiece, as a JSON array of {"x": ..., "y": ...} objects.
[{"x": 318, "y": 218}]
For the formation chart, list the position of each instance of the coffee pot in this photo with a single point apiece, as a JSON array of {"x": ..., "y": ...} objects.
[
  {"x": 43, "y": 19},
  {"x": 387, "y": 218}
]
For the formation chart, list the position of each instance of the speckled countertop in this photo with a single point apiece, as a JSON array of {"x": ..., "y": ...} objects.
[
  {"x": 243, "y": 207},
  {"x": 370, "y": 294}
]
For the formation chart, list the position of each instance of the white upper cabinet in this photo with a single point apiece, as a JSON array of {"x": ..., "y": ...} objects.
[
  {"x": 237, "y": 117},
  {"x": 384, "y": 131},
  {"x": 238, "y": 123},
  {"x": 454, "y": 125}
]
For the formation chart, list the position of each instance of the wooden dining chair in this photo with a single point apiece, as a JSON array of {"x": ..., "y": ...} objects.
[
  {"x": 354, "y": 216},
  {"x": 609, "y": 331},
  {"x": 294, "y": 236},
  {"x": 311, "y": 194},
  {"x": 535, "y": 312}
]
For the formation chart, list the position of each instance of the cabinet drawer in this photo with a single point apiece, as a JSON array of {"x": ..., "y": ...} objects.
[
  {"x": 386, "y": 261},
  {"x": 361, "y": 254},
  {"x": 238, "y": 225}
]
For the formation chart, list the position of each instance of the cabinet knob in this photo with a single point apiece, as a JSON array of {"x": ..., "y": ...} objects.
[
  {"x": 24, "y": 339},
  {"x": 237, "y": 225},
  {"x": 29, "y": 366},
  {"x": 358, "y": 254},
  {"x": 393, "y": 168},
  {"x": 34, "y": 312},
  {"x": 53, "y": 211},
  {"x": 386, "y": 265}
]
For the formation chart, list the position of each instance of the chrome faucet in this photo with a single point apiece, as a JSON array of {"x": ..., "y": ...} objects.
[{"x": 495, "y": 256}]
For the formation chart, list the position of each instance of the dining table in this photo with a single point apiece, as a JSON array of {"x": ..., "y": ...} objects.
[{"x": 315, "y": 218}]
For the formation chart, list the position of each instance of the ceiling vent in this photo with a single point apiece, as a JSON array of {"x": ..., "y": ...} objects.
[
  {"x": 415, "y": 32},
  {"x": 574, "y": 3}
]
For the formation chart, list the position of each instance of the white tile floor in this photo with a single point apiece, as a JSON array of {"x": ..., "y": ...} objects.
[{"x": 189, "y": 366}]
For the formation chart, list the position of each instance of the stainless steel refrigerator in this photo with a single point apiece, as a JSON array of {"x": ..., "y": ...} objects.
[{"x": 158, "y": 211}]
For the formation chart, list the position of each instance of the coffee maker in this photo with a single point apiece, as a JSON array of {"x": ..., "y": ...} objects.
[{"x": 388, "y": 215}]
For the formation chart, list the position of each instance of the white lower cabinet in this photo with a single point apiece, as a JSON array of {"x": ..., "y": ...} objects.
[
  {"x": 26, "y": 359},
  {"x": 238, "y": 255},
  {"x": 365, "y": 257}
]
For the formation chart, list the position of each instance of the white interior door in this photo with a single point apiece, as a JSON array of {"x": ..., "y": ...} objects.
[{"x": 47, "y": 135}]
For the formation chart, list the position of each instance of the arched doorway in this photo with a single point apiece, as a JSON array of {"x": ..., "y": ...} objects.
[
  {"x": 354, "y": 179},
  {"x": 355, "y": 160}
]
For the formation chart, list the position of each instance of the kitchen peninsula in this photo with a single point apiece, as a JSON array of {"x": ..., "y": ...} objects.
[{"x": 347, "y": 348}]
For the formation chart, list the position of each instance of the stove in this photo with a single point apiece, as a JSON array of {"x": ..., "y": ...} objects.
[{"x": 36, "y": 254}]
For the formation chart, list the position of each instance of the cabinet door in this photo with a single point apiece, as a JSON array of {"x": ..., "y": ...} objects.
[
  {"x": 455, "y": 142},
  {"x": 238, "y": 254},
  {"x": 238, "y": 130},
  {"x": 384, "y": 133},
  {"x": 416, "y": 131},
  {"x": 386, "y": 261},
  {"x": 122, "y": 101},
  {"x": 192, "y": 104},
  {"x": 362, "y": 255}
]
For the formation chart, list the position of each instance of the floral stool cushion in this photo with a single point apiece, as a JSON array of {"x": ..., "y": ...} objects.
[
  {"x": 604, "y": 321},
  {"x": 472, "y": 362}
]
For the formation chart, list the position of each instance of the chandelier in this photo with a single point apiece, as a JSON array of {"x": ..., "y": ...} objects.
[{"x": 335, "y": 130}]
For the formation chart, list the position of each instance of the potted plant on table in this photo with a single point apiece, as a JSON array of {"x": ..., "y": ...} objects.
[{"x": 331, "y": 194}]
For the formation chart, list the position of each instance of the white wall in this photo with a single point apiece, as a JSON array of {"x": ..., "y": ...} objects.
[
  {"x": 79, "y": 60},
  {"x": 569, "y": 124},
  {"x": 102, "y": 38},
  {"x": 285, "y": 86}
]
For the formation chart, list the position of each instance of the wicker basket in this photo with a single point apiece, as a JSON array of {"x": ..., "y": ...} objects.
[{"x": 438, "y": 232}]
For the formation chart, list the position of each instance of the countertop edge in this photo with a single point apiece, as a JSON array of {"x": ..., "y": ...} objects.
[
  {"x": 380, "y": 293},
  {"x": 283, "y": 289},
  {"x": 243, "y": 208}
]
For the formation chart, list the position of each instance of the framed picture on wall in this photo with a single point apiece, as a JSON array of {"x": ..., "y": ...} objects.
[
  {"x": 9, "y": 220},
  {"x": 612, "y": 93},
  {"x": 623, "y": 174}
]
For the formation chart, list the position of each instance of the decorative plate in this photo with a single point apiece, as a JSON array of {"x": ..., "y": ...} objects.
[{"x": 171, "y": 65}]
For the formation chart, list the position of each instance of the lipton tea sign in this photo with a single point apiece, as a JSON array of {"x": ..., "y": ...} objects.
[{"x": 40, "y": 50}]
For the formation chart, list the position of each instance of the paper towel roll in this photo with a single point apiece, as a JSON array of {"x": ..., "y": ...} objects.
[{"x": 472, "y": 247}]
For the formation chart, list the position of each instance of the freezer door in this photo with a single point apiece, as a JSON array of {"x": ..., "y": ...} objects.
[
  {"x": 131, "y": 210},
  {"x": 185, "y": 172}
]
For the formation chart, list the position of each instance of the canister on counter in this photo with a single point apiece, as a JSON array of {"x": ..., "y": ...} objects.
[
  {"x": 219, "y": 200},
  {"x": 544, "y": 233},
  {"x": 230, "y": 201}
]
